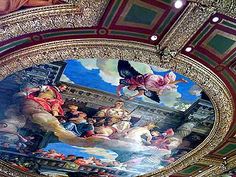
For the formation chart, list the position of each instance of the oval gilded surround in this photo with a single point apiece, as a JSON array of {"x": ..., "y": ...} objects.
[{"x": 117, "y": 49}]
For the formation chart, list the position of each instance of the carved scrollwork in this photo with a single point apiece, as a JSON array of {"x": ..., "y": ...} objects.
[
  {"x": 83, "y": 14},
  {"x": 197, "y": 12},
  {"x": 226, "y": 7},
  {"x": 224, "y": 166},
  {"x": 193, "y": 18}
]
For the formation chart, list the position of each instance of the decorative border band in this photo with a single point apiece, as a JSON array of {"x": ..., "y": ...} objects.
[{"x": 84, "y": 14}]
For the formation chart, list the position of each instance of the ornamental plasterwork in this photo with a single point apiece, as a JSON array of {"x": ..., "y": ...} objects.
[
  {"x": 197, "y": 12},
  {"x": 211, "y": 172},
  {"x": 83, "y": 14},
  {"x": 227, "y": 7},
  {"x": 192, "y": 19},
  {"x": 210, "y": 161},
  {"x": 231, "y": 163},
  {"x": 216, "y": 170},
  {"x": 115, "y": 49},
  {"x": 215, "y": 166}
]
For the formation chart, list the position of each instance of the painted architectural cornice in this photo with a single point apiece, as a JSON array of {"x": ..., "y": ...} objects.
[
  {"x": 116, "y": 49},
  {"x": 210, "y": 161},
  {"x": 101, "y": 98}
]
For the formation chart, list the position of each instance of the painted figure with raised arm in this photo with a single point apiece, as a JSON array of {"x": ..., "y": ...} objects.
[
  {"x": 136, "y": 134},
  {"x": 112, "y": 119},
  {"x": 49, "y": 97},
  {"x": 150, "y": 85}
]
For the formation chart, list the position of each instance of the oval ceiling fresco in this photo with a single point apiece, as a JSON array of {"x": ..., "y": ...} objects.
[{"x": 93, "y": 117}]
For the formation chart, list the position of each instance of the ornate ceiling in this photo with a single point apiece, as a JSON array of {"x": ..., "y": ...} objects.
[{"x": 201, "y": 34}]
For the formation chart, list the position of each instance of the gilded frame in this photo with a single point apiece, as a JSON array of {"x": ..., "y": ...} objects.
[{"x": 118, "y": 49}]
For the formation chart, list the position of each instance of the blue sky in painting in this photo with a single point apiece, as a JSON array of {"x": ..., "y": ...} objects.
[
  {"x": 88, "y": 78},
  {"x": 183, "y": 88},
  {"x": 67, "y": 149},
  {"x": 77, "y": 73}
]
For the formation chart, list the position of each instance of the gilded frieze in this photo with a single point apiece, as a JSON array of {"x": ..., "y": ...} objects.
[{"x": 82, "y": 14}]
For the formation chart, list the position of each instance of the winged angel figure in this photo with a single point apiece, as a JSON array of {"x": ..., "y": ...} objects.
[{"x": 150, "y": 85}]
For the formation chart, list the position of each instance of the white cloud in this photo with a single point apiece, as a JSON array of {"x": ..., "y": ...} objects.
[
  {"x": 195, "y": 90},
  {"x": 146, "y": 99},
  {"x": 182, "y": 106},
  {"x": 141, "y": 67},
  {"x": 128, "y": 92},
  {"x": 112, "y": 79},
  {"x": 106, "y": 154},
  {"x": 64, "y": 78},
  {"x": 159, "y": 69},
  {"x": 89, "y": 63},
  {"x": 170, "y": 97},
  {"x": 109, "y": 67},
  {"x": 108, "y": 71}
]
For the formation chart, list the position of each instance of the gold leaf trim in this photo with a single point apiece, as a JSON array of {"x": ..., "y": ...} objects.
[{"x": 84, "y": 14}]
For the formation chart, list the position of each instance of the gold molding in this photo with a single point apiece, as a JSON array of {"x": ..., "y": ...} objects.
[
  {"x": 191, "y": 20},
  {"x": 226, "y": 7},
  {"x": 196, "y": 13},
  {"x": 225, "y": 166},
  {"x": 212, "y": 172},
  {"x": 84, "y": 14},
  {"x": 118, "y": 49},
  {"x": 231, "y": 162},
  {"x": 210, "y": 161}
]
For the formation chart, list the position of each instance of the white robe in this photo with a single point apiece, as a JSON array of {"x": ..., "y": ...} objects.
[{"x": 134, "y": 134}]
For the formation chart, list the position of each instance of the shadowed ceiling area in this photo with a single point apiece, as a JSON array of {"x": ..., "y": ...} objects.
[{"x": 43, "y": 42}]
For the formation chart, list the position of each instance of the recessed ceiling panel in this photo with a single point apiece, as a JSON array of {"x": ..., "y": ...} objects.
[{"x": 215, "y": 41}]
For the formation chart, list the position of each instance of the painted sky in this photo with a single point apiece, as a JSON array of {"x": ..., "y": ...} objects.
[
  {"x": 67, "y": 149},
  {"x": 103, "y": 75}
]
